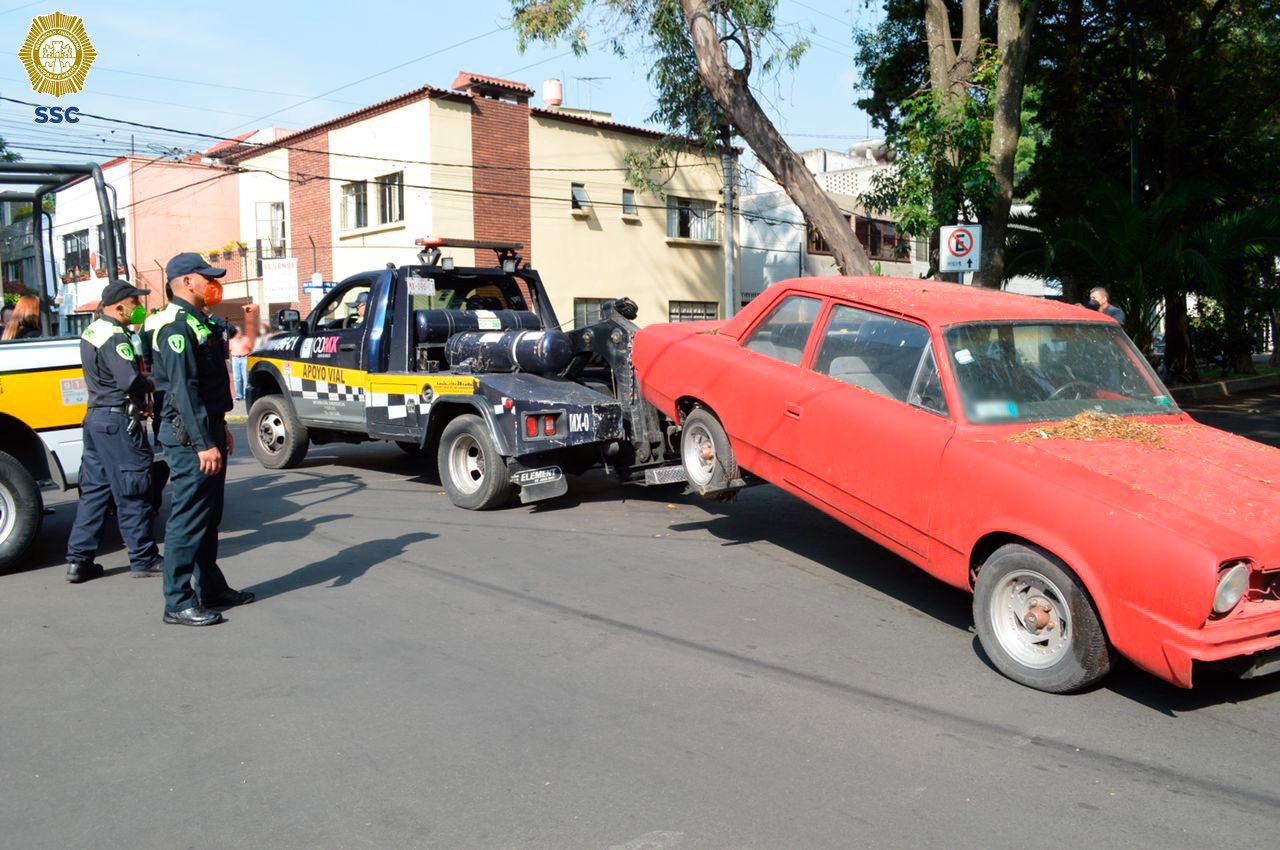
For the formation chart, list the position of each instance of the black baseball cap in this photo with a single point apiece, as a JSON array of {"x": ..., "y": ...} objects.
[
  {"x": 190, "y": 263},
  {"x": 117, "y": 290}
]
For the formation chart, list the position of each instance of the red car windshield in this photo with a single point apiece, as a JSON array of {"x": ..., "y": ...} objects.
[{"x": 1014, "y": 372}]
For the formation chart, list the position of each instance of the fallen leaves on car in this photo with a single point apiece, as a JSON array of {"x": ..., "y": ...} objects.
[{"x": 1094, "y": 426}]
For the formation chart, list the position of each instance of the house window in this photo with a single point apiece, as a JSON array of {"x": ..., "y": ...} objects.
[
  {"x": 103, "y": 234},
  {"x": 75, "y": 252},
  {"x": 355, "y": 205},
  {"x": 693, "y": 311},
  {"x": 578, "y": 198},
  {"x": 391, "y": 197},
  {"x": 586, "y": 311},
  {"x": 880, "y": 239},
  {"x": 690, "y": 218},
  {"x": 628, "y": 202},
  {"x": 269, "y": 235}
]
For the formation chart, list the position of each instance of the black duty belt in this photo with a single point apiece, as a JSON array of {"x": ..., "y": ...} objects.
[{"x": 118, "y": 408}]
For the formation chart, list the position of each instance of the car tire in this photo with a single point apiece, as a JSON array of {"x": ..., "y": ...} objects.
[
  {"x": 706, "y": 454},
  {"x": 1037, "y": 623},
  {"x": 276, "y": 437},
  {"x": 21, "y": 510},
  {"x": 471, "y": 466}
]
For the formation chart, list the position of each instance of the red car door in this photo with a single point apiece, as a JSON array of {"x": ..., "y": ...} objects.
[
  {"x": 874, "y": 425},
  {"x": 759, "y": 388}
]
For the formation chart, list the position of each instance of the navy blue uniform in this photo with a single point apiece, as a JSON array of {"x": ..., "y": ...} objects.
[
  {"x": 190, "y": 369},
  {"x": 116, "y": 463}
]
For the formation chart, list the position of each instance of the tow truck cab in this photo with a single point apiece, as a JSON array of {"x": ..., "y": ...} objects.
[{"x": 466, "y": 365}]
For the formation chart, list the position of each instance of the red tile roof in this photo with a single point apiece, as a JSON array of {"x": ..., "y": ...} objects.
[
  {"x": 228, "y": 143},
  {"x": 466, "y": 80}
]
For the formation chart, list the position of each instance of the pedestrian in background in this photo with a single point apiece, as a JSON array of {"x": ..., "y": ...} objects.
[
  {"x": 191, "y": 369},
  {"x": 1099, "y": 295},
  {"x": 240, "y": 346},
  {"x": 116, "y": 463},
  {"x": 25, "y": 321}
]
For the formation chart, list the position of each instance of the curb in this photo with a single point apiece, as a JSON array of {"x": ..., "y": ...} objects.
[
  {"x": 1222, "y": 389},
  {"x": 236, "y": 419}
]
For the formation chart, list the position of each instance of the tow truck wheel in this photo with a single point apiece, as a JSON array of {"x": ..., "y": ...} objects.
[
  {"x": 21, "y": 510},
  {"x": 471, "y": 467},
  {"x": 706, "y": 453},
  {"x": 1037, "y": 623},
  {"x": 277, "y": 438}
]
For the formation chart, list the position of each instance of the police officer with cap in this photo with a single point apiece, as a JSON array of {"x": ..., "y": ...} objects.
[
  {"x": 189, "y": 367},
  {"x": 117, "y": 458}
]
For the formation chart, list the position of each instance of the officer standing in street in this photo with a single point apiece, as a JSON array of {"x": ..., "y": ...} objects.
[
  {"x": 191, "y": 370},
  {"x": 117, "y": 458}
]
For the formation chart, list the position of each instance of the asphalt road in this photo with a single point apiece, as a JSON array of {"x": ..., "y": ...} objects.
[
  {"x": 1255, "y": 416},
  {"x": 621, "y": 669}
]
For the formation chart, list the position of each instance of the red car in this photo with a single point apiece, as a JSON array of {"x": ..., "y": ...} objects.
[{"x": 946, "y": 423}]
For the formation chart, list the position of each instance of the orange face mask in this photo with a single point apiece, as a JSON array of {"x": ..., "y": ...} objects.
[{"x": 212, "y": 293}]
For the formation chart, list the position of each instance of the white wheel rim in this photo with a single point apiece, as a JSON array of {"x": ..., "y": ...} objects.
[
  {"x": 467, "y": 464},
  {"x": 1031, "y": 619},
  {"x": 271, "y": 433},
  {"x": 8, "y": 513},
  {"x": 698, "y": 450}
]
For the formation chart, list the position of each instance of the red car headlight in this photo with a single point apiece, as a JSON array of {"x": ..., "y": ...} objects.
[{"x": 1233, "y": 581}]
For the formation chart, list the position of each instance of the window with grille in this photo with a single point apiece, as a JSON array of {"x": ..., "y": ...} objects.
[
  {"x": 75, "y": 252},
  {"x": 355, "y": 205},
  {"x": 586, "y": 311},
  {"x": 690, "y": 218},
  {"x": 391, "y": 198},
  {"x": 103, "y": 234},
  {"x": 269, "y": 235},
  {"x": 693, "y": 311}
]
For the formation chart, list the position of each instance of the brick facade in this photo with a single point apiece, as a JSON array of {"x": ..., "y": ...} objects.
[
  {"x": 500, "y": 137},
  {"x": 309, "y": 211}
]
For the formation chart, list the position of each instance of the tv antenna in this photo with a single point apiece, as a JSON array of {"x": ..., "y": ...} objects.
[{"x": 591, "y": 83}]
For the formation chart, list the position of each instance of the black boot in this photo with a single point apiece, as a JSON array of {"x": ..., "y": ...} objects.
[
  {"x": 193, "y": 616},
  {"x": 78, "y": 572}
]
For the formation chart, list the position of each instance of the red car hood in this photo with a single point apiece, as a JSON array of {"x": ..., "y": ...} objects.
[{"x": 1208, "y": 485}]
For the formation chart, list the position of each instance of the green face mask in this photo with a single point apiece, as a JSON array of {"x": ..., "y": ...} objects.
[{"x": 138, "y": 316}]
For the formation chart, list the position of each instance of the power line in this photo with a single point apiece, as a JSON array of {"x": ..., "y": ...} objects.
[
  {"x": 268, "y": 146},
  {"x": 370, "y": 77}
]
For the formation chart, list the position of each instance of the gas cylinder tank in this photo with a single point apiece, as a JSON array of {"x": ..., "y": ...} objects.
[{"x": 539, "y": 352}]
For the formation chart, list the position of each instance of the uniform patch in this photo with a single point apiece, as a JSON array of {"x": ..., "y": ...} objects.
[
  {"x": 178, "y": 343},
  {"x": 125, "y": 350}
]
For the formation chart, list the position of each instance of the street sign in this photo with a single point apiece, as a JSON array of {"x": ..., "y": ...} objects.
[
  {"x": 960, "y": 248},
  {"x": 280, "y": 280}
]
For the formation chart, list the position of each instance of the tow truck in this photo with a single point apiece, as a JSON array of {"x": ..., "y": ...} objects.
[
  {"x": 467, "y": 367},
  {"x": 42, "y": 390}
]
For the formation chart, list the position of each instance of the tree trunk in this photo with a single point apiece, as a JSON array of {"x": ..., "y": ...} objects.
[
  {"x": 730, "y": 89},
  {"x": 1014, "y": 44},
  {"x": 1179, "y": 359}
]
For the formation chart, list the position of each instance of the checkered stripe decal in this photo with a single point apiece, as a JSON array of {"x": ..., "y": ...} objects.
[
  {"x": 324, "y": 391},
  {"x": 395, "y": 405}
]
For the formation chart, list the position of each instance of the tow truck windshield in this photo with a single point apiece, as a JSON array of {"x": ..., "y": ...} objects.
[
  {"x": 1009, "y": 372},
  {"x": 453, "y": 291}
]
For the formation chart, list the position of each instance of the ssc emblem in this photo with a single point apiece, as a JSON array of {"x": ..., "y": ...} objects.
[
  {"x": 178, "y": 344},
  {"x": 57, "y": 54},
  {"x": 125, "y": 350}
]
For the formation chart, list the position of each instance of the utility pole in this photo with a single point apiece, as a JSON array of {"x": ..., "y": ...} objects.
[{"x": 728, "y": 161}]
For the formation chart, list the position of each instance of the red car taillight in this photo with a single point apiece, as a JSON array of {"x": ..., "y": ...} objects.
[
  {"x": 549, "y": 425},
  {"x": 531, "y": 426}
]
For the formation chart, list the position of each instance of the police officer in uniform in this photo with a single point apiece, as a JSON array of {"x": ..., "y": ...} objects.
[
  {"x": 117, "y": 458},
  {"x": 190, "y": 369}
]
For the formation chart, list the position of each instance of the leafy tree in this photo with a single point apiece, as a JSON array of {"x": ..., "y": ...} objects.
[
  {"x": 706, "y": 57},
  {"x": 952, "y": 68}
]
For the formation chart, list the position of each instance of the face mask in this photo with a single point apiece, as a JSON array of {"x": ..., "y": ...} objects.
[
  {"x": 137, "y": 315},
  {"x": 212, "y": 293}
]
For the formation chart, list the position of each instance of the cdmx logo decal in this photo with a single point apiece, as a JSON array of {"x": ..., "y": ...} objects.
[{"x": 57, "y": 54}]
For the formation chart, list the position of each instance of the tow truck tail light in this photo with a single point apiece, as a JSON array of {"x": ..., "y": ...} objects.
[
  {"x": 549, "y": 425},
  {"x": 531, "y": 426}
]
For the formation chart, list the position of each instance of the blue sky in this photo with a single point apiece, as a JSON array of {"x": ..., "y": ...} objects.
[{"x": 225, "y": 69}]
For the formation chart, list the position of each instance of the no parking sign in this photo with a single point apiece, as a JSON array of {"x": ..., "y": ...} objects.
[{"x": 960, "y": 248}]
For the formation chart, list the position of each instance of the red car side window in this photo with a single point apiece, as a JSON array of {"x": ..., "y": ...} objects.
[
  {"x": 878, "y": 353},
  {"x": 784, "y": 334}
]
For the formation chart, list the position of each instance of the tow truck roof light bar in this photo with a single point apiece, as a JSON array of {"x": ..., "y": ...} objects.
[{"x": 508, "y": 252}]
